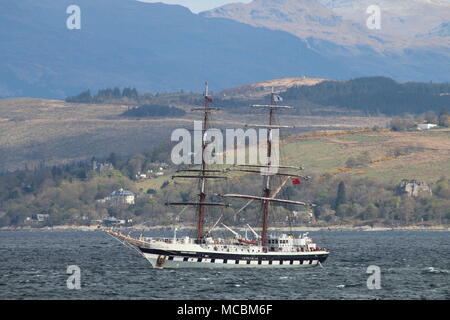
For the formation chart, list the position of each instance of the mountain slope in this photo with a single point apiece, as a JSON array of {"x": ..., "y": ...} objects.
[
  {"x": 157, "y": 47},
  {"x": 404, "y": 23},
  {"x": 412, "y": 44},
  {"x": 154, "y": 47},
  {"x": 302, "y": 18},
  {"x": 407, "y": 23}
]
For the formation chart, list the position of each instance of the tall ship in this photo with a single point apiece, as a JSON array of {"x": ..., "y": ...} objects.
[{"x": 261, "y": 250}]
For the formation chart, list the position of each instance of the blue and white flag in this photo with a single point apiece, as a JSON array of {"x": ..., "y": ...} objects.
[{"x": 277, "y": 98}]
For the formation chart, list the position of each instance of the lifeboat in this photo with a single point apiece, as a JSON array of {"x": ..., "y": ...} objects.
[{"x": 246, "y": 241}]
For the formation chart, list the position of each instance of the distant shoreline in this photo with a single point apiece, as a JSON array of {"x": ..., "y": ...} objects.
[{"x": 328, "y": 228}]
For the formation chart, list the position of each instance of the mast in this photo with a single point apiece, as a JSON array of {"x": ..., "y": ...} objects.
[
  {"x": 202, "y": 171},
  {"x": 202, "y": 195},
  {"x": 266, "y": 190},
  {"x": 268, "y": 195}
]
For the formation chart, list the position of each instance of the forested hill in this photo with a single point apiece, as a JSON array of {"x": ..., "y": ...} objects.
[
  {"x": 371, "y": 95},
  {"x": 376, "y": 95}
]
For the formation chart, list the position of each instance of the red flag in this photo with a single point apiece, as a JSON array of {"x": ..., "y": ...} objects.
[
  {"x": 296, "y": 181},
  {"x": 208, "y": 99}
]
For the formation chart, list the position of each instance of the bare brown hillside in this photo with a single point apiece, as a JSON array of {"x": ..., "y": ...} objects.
[
  {"x": 56, "y": 132},
  {"x": 260, "y": 89}
]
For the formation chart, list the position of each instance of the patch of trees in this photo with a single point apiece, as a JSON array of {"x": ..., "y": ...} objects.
[
  {"x": 132, "y": 96},
  {"x": 367, "y": 201},
  {"x": 154, "y": 111},
  {"x": 441, "y": 119},
  {"x": 141, "y": 162},
  {"x": 401, "y": 124},
  {"x": 68, "y": 193},
  {"x": 105, "y": 95},
  {"x": 376, "y": 95}
]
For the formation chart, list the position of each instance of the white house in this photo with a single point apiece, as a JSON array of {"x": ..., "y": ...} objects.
[
  {"x": 41, "y": 217},
  {"x": 426, "y": 126},
  {"x": 101, "y": 166},
  {"x": 141, "y": 176},
  {"x": 119, "y": 197},
  {"x": 122, "y": 197}
]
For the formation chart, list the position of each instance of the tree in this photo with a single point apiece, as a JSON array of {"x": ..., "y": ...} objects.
[
  {"x": 406, "y": 211},
  {"x": 116, "y": 93},
  {"x": 430, "y": 116},
  {"x": 442, "y": 188},
  {"x": 130, "y": 93},
  {"x": 84, "y": 97},
  {"x": 341, "y": 195},
  {"x": 113, "y": 159},
  {"x": 371, "y": 212},
  {"x": 399, "y": 125},
  {"x": 444, "y": 118},
  {"x": 134, "y": 165}
]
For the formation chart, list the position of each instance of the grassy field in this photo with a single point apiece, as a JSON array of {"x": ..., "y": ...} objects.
[
  {"x": 392, "y": 156},
  {"x": 35, "y": 130},
  {"x": 55, "y": 132}
]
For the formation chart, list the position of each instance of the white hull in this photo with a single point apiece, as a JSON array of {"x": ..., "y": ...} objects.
[
  {"x": 283, "y": 252},
  {"x": 174, "y": 254}
]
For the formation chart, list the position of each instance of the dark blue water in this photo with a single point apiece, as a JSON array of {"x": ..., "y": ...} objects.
[{"x": 414, "y": 265}]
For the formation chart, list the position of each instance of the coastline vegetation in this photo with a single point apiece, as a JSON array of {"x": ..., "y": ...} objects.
[{"x": 69, "y": 194}]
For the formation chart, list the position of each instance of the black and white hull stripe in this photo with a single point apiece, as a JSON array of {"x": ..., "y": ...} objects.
[{"x": 234, "y": 259}]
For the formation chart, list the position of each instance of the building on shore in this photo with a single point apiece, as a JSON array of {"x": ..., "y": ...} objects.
[
  {"x": 426, "y": 126},
  {"x": 119, "y": 197},
  {"x": 101, "y": 166},
  {"x": 413, "y": 188},
  {"x": 39, "y": 217}
]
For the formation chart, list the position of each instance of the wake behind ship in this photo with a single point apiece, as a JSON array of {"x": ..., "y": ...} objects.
[{"x": 205, "y": 251}]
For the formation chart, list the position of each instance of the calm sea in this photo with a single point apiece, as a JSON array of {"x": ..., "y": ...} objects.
[{"x": 413, "y": 264}]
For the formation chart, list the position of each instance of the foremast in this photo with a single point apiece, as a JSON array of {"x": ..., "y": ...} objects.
[
  {"x": 202, "y": 194},
  {"x": 203, "y": 173}
]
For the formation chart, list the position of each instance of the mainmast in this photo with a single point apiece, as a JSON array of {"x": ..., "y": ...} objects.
[
  {"x": 268, "y": 196},
  {"x": 266, "y": 190}
]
